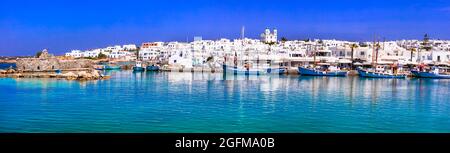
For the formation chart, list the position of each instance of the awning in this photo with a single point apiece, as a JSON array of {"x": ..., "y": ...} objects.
[
  {"x": 357, "y": 63},
  {"x": 323, "y": 63},
  {"x": 344, "y": 61}
]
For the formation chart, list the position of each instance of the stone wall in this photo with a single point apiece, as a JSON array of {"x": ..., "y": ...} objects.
[{"x": 49, "y": 64}]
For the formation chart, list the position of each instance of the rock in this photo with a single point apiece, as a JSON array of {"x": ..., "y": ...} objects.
[
  {"x": 82, "y": 74},
  {"x": 17, "y": 75},
  {"x": 70, "y": 76},
  {"x": 88, "y": 76},
  {"x": 3, "y": 71},
  {"x": 10, "y": 71}
]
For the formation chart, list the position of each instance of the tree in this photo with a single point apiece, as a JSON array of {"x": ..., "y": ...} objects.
[
  {"x": 353, "y": 46},
  {"x": 102, "y": 56},
  {"x": 320, "y": 42},
  {"x": 210, "y": 58},
  {"x": 38, "y": 53},
  {"x": 270, "y": 43},
  {"x": 412, "y": 51},
  {"x": 361, "y": 44},
  {"x": 284, "y": 39}
]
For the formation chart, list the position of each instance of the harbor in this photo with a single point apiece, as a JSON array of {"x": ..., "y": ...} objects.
[
  {"x": 427, "y": 58},
  {"x": 182, "y": 102}
]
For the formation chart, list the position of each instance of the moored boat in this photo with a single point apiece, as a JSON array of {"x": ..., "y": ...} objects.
[
  {"x": 378, "y": 74},
  {"x": 138, "y": 66},
  {"x": 252, "y": 71},
  {"x": 112, "y": 67},
  {"x": 435, "y": 74},
  {"x": 279, "y": 70},
  {"x": 152, "y": 68},
  {"x": 320, "y": 72}
]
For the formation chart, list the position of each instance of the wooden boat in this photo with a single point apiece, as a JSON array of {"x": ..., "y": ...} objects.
[
  {"x": 152, "y": 68},
  {"x": 431, "y": 74},
  {"x": 110, "y": 67},
  {"x": 374, "y": 74},
  {"x": 279, "y": 70},
  {"x": 318, "y": 72},
  {"x": 252, "y": 71},
  {"x": 138, "y": 67},
  {"x": 241, "y": 70}
]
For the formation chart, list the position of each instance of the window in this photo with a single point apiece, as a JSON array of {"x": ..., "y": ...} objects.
[{"x": 362, "y": 53}]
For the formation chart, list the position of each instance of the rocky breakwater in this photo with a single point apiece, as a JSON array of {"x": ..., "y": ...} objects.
[
  {"x": 80, "y": 75},
  {"x": 85, "y": 75}
]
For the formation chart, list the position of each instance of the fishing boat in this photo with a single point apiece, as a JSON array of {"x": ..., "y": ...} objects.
[
  {"x": 112, "y": 67},
  {"x": 331, "y": 71},
  {"x": 241, "y": 70},
  {"x": 435, "y": 74},
  {"x": 279, "y": 70},
  {"x": 138, "y": 67},
  {"x": 152, "y": 68},
  {"x": 379, "y": 71},
  {"x": 378, "y": 74},
  {"x": 252, "y": 71}
]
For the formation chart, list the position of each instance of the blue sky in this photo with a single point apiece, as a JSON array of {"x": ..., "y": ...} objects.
[{"x": 61, "y": 25}]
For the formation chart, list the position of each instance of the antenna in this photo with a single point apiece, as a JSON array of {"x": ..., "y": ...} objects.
[{"x": 243, "y": 32}]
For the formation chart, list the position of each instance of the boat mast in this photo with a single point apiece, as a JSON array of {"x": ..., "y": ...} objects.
[
  {"x": 376, "y": 51},
  {"x": 314, "y": 52},
  {"x": 373, "y": 51}
]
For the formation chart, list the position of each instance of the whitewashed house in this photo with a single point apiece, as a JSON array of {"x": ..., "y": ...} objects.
[{"x": 75, "y": 54}]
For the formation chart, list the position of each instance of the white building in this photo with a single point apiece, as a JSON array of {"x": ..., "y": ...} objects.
[
  {"x": 122, "y": 55},
  {"x": 129, "y": 47},
  {"x": 269, "y": 37},
  {"x": 75, "y": 54},
  {"x": 148, "y": 54}
]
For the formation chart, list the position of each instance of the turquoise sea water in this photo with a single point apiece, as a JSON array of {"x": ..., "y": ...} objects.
[{"x": 188, "y": 102}]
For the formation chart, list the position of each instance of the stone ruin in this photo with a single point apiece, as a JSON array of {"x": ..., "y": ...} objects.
[{"x": 46, "y": 62}]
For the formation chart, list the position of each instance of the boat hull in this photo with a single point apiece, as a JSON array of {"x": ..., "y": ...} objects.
[
  {"x": 138, "y": 69},
  {"x": 243, "y": 71},
  {"x": 112, "y": 68},
  {"x": 429, "y": 75},
  {"x": 312, "y": 72},
  {"x": 368, "y": 74},
  {"x": 152, "y": 68}
]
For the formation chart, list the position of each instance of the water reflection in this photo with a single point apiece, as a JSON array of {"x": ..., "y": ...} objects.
[{"x": 214, "y": 102}]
